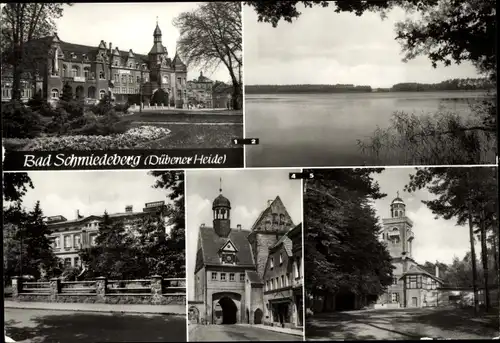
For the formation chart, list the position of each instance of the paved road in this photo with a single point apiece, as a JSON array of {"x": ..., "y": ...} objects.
[
  {"x": 44, "y": 326},
  {"x": 236, "y": 333},
  {"x": 401, "y": 324}
]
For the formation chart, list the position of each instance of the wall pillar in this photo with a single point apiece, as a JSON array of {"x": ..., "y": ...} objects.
[
  {"x": 101, "y": 284},
  {"x": 156, "y": 289},
  {"x": 55, "y": 288},
  {"x": 17, "y": 286}
]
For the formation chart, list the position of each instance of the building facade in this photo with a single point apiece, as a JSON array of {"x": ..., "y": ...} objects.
[
  {"x": 235, "y": 266},
  {"x": 200, "y": 92},
  {"x": 68, "y": 237},
  {"x": 412, "y": 286},
  {"x": 93, "y": 72}
]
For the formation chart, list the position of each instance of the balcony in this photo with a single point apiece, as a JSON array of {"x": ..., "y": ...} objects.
[{"x": 79, "y": 78}]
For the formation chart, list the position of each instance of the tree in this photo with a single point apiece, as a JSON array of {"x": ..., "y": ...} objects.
[
  {"x": 174, "y": 248},
  {"x": 341, "y": 234},
  {"x": 67, "y": 92},
  {"x": 29, "y": 250},
  {"x": 15, "y": 186},
  {"x": 211, "y": 35},
  {"x": 470, "y": 196},
  {"x": 22, "y": 23}
]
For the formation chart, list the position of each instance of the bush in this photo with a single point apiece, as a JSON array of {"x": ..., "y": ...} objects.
[
  {"x": 103, "y": 107},
  {"x": 122, "y": 107},
  {"x": 59, "y": 123},
  {"x": 20, "y": 121},
  {"x": 74, "y": 108},
  {"x": 93, "y": 125}
]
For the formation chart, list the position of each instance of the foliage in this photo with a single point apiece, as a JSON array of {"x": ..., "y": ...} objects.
[
  {"x": 448, "y": 85},
  {"x": 22, "y": 23},
  {"x": 211, "y": 35},
  {"x": 20, "y": 121},
  {"x": 27, "y": 246},
  {"x": 130, "y": 139},
  {"x": 122, "y": 107},
  {"x": 105, "y": 125},
  {"x": 341, "y": 237},
  {"x": 103, "y": 106},
  {"x": 67, "y": 93},
  {"x": 39, "y": 104},
  {"x": 280, "y": 89},
  {"x": 15, "y": 186},
  {"x": 173, "y": 183},
  {"x": 433, "y": 139}
]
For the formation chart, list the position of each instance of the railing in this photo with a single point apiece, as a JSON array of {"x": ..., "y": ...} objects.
[
  {"x": 36, "y": 287},
  {"x": 141, "y": 286},
  {"x": 80, "y": 287}
]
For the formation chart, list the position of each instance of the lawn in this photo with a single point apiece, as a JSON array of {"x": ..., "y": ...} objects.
[{"x": 187, "y": 117}]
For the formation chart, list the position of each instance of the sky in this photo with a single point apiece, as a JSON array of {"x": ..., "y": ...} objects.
[
  {"x": 91, "y": 192},
  {"x": 128, "y": 26},
  {"x": 435, "y": 239},
  {"x": 324, "y": 47},
  {"x": 247, "y": 190}
]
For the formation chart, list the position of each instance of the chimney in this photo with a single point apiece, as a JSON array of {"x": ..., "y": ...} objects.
[
  {"x": 269, "y": 202},
  {"x": 202, "y": 225},
  {"x": 238, "y": 227},
  {"x": 437, "y": 270},
  {"x": 110, "y": 48},
  {"x": 129, "y": 208},
  {"x": 77, "y": 214}
]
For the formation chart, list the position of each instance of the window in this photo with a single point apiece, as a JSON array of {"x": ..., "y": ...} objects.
[
  {"x": 179, "y": 94},
  {"x": 117, "y": 77},
  {"x": 394, "y": 280},
  {"x": 101, "y": 75},
  {"x": 242, "y": 277},
  {"x": 130, "y": 91},
  {"x": 67, "y": 262},
  {"x": 179, "y": 81},
  {"x": 138, "y": 79},
  {"x": 75, "y": 71},
  {"x": 282, "y": 219},
  {"x": 78, "y": 239},
  {"x": 124, "y": 90},
  {"x": 278, "y": 285},
  {"x": 288, "y": 283},
  {"x": 101, "y": 94},
  {"x": 272, "y": 262},
  {"x": 86, "y": 72},
  {"x": 283, "y": 281},
  {"x": 67, "y": 241},
  {"x": 231, "y": 276},
  {"x": 124, "y": 78},
  {"x": 275, "y": 218},
  {"x": 223, "y": 276},
  {"x": 65, "y": 70},
  {"x": 415, "y": 281},
  {"x": 214, "y": 276},
  {"x": 281, "y": 259},
  {"x": 92, "y": 239},
  {"x": 395, "y": 297},
  {"x": 54, "y": 94}
]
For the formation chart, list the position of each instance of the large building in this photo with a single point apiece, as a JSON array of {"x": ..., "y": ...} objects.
[
  {"x": 249, "y": 276},
  {"x": 412, "y": 286},
  {"x": 200, "y": 92},
  {"x": 93, "y": 71},
  {"x": 68, "y": 237}
]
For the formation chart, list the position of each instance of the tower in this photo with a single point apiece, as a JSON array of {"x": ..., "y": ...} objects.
[
  {"x": 397, "y": 232},
  {"x": 221, "y": 211},
  {"x": 157, "y": 55}
]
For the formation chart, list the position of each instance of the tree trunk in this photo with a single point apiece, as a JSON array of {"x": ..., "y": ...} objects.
[
  {"x": 473, "y": 258},
  {"x": 16, "y": 74},
  {"x": 484, "y": 258}
]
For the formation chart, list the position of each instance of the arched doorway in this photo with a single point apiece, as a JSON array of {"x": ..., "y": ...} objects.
[
  {"x": 79, "y": 92},
  {"x": 229, "y": 310},
  {"x": 91, "y": 92},
  {"x": 257, "y": 316}
]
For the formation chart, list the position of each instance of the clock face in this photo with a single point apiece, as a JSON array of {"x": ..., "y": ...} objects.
[{"x": 229, "y": 258}]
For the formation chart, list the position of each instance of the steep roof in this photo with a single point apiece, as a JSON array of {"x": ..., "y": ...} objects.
[
  {"x": 417, "y": 270},
  {"x": 286, "y": 242},
  {"x": 211, "y": 243},
  {"x": 268, "y": 209},
  {"x": 253, "y": 277}
]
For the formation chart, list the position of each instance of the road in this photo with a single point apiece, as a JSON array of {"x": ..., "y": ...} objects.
[
  {"x": 44, "y": 326},
  {"x": 236, "y": 333},
  {"x": 401, "y": 324}
]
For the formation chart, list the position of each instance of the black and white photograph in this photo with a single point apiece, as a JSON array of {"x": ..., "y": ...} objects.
[
  {"x": 401, "y": 253},
  {"x": 371, "y": 83},
  {"x": 98, "y": 76},
  {"x": 244, "y": 266},
  {"x": 94, "y": 257}
]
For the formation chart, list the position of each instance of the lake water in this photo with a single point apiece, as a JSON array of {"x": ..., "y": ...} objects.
[{"x": 299, "y": 130}]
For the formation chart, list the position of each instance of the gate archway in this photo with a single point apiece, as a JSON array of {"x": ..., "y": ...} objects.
[
  {"x": 257, "y": 316},
  {"x": 226, "y": 308},
  {"x": 229, "y": 310}
]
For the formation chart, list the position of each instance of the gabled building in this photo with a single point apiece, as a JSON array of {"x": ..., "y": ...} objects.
[
  {"x": 412, "y": 286},
  {"x": 233, "y": 267},
  {"x": 70, "y": 236},
  {"x": 94, "y": 71},
  {"x": 200, "y": 91}
]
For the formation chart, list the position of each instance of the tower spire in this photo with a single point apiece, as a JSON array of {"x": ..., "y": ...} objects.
[
  {"x": 156, "y": 20},
  {"x": 220, "y": 185},
  {"x": 397, "y": 194}
]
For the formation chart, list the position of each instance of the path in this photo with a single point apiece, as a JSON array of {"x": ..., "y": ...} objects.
[{"x": 237, "y": 333}]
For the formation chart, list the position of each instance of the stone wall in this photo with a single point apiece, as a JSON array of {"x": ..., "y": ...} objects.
[{"x": 99, "y": 291}]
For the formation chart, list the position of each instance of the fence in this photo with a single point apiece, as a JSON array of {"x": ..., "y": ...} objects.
[{"x": 156, "y": 290}]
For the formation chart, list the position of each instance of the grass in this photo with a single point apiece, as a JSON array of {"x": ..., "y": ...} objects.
[
  {"x": 197, "y": 136},
  {"x": 187, "y": 117}
]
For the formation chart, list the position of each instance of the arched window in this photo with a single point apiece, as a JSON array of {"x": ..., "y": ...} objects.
[
  {"x": 101, "y": 75},
  {"x": 75, "y": 71},
  {"x": 65, "y": 70},
  {"x": 86, "y": 72},
  {"x": 54, "y": 93},
  {"x": 102, "y": 93}
]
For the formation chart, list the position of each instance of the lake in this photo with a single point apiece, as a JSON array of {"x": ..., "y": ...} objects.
[{"x": 313, "y": 130}]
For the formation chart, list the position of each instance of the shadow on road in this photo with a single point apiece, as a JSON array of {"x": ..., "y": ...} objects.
[
  {"x": 93, "y": 327},
  {"x": 405, "y": 324}
]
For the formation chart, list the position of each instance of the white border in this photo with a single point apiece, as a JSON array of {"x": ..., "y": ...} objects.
[
  {"x": 243, "y": 81},
  {"x": 186, "y": 255},
  {"x": 304, "y": 309}
]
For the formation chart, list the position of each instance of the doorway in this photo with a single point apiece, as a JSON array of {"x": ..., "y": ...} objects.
[
  {"x": 229, "y": 310},
  {"x": 257, "y": 316},
  {"x": 414, "y": 302}
]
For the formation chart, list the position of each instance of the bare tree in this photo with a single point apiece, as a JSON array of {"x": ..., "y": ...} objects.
[
  {"x": 22, "y": 23},
  {"x": 211, "y": 35}
]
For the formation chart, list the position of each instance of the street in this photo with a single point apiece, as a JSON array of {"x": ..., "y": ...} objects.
[
  {"x": 402, "y": 324},
  {"x": 219, "y": 333},
  {"x": 44, "y": 326}
]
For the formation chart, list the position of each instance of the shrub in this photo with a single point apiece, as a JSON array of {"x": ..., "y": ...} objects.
[
  {"x": 59, "y": 123},
  {"x": 74, "y": 108},
  {"x": 103, "y": 107},
  {"x": 107, "y": 124},
  {"x": 20, "y": 121},
  {"x": 122, "y": 107}
]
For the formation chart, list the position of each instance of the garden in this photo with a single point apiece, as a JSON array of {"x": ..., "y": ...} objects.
[{"x": 72, "y": 125}]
